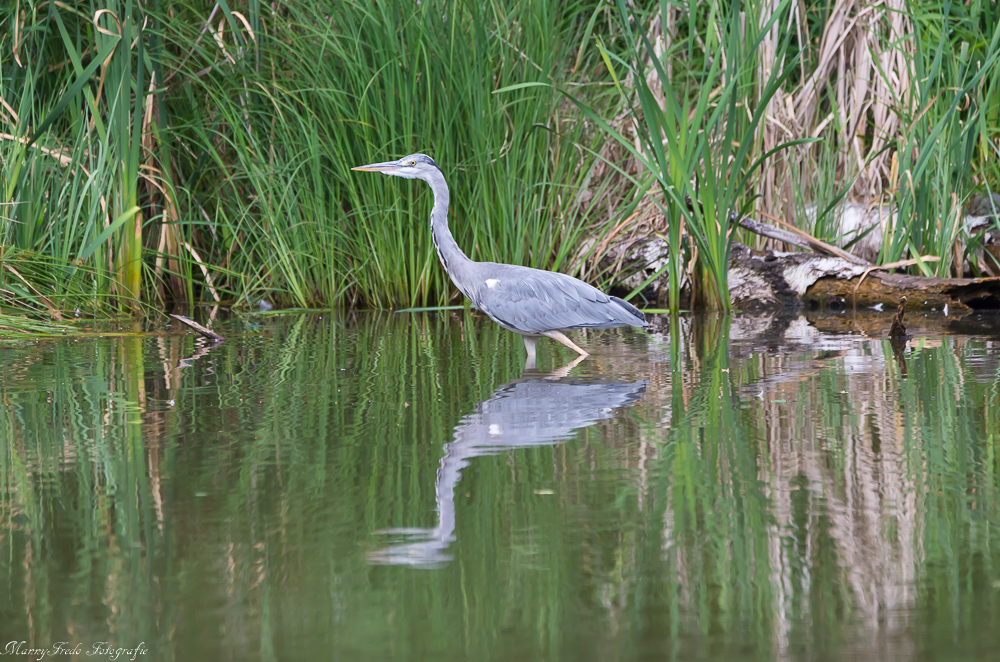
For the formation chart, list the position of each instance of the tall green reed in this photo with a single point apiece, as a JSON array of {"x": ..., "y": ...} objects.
[
  {"x": 365, "y": 82},
  {"x": 210, "y": 147},
  {"x": 77, "y": 88},
  {"x": 698, "y": 132},
  {"x": 949, "y": 102}
]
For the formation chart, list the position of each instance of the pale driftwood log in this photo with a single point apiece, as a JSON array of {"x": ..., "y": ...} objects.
[
  {"x": 772, "y": 278},
  {"x": 206, "y": 332}
]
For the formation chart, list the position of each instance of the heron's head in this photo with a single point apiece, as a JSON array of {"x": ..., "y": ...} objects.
[{"x": 414, "y": 166}]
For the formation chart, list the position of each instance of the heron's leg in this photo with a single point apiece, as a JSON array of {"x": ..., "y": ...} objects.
[
  {"x": 558, "y": 374},
  {"x": 559, "y": 336},
  {"x": 529, "y": 345}
]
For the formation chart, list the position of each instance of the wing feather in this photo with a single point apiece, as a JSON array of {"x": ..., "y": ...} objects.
[{"x": 533, "y": 301}]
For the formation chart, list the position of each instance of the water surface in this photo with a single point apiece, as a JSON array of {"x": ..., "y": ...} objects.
[{"x": 376, "y": 487}]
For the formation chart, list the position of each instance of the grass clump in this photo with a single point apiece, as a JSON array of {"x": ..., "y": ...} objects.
[
  {"x": 210, "y": 158},
  {"x": 795, "y": 111},
  {"x": 189, "y": 151}
]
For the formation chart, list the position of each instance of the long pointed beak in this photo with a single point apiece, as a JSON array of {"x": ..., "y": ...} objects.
[{"x": 387, "y": 166}]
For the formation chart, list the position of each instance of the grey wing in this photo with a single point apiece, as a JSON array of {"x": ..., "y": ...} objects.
[{"x": 533, "y": 301}]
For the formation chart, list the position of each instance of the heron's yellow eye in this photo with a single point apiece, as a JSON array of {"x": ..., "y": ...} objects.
[{"x": 413, "y": 163}]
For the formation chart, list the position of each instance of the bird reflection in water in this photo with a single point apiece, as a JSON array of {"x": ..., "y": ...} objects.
[{"x": 535, "y": 410}]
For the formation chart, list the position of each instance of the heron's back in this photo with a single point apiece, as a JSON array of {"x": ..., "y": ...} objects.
[{"x": 532, "y": 301}]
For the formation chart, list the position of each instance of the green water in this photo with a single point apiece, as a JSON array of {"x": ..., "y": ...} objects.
[{"x": 364, "y": 487}]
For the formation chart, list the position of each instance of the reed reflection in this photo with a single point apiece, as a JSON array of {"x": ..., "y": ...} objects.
[{"x": 535, "y": 410}]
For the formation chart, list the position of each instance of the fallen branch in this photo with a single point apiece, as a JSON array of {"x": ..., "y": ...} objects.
[
  {"x": 208, "y": 333},
  {"x": 771, "y": 232},
  {"x": 796, "y": 237}
]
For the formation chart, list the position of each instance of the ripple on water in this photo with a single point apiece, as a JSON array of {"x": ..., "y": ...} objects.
[{"x": 377, "y": 487}]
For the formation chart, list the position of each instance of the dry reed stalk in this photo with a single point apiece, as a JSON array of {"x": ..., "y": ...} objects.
[
  {"x": 865, "y": 60},
  {"x": 647, "y": 221}
]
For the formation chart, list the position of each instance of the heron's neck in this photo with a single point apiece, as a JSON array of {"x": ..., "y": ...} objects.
[{"x": 455, "y": 262}]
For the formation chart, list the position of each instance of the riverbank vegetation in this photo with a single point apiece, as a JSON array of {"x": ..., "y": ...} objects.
[{"x": 184, "y": 152}]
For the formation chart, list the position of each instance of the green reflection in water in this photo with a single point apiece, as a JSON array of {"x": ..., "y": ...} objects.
[{"x": 392, "y": 487}]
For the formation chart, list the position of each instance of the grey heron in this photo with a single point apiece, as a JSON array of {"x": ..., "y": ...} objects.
[{"x": 530, "y": 302}]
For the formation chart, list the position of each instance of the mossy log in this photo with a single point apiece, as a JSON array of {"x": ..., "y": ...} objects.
[
  {"x": 959, "y": 294},
  {"x": 837, "y": 278},
  {"x": 773, "y": 279}
]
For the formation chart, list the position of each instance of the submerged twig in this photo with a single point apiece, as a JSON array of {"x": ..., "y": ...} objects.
[
  {"x": 208, "y": 333},
  {"x": 897, "y": 330}
]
